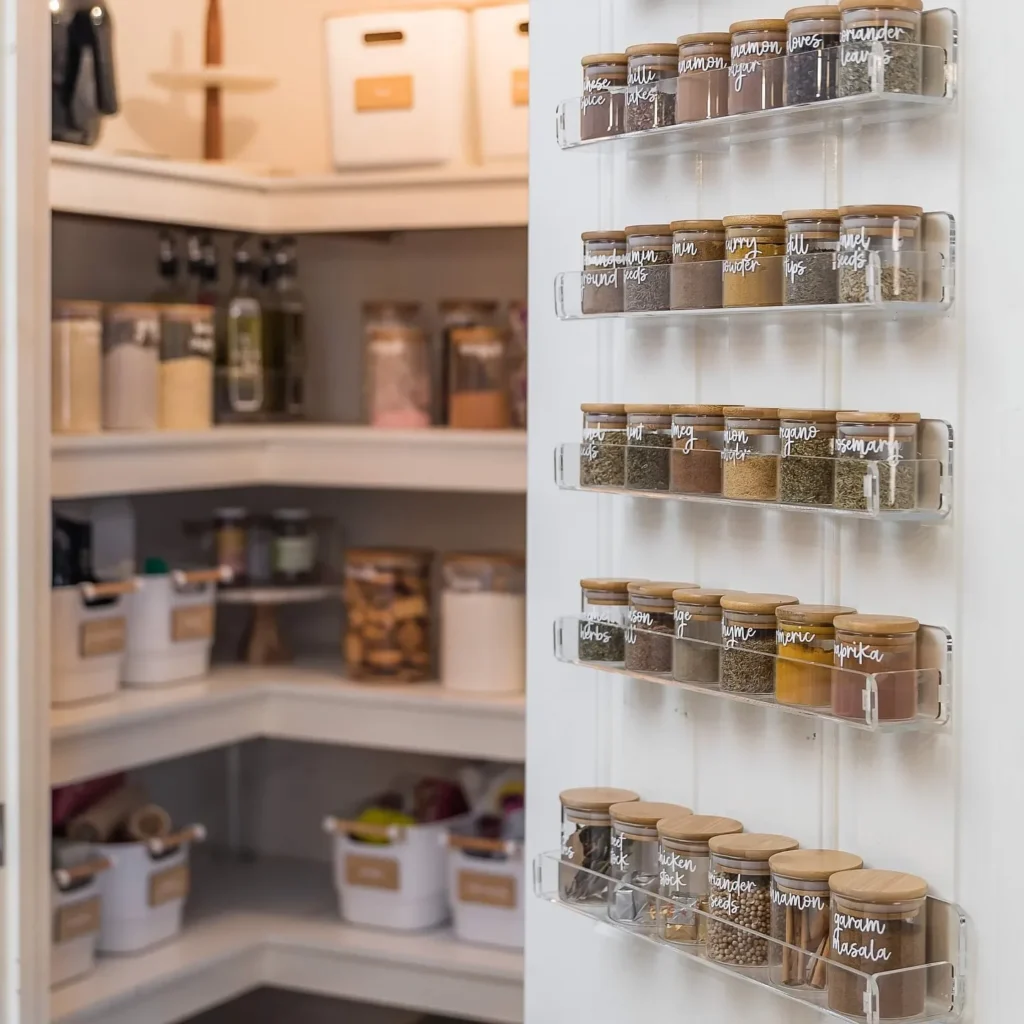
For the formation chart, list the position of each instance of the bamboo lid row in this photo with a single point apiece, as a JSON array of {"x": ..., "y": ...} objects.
[{"x": 753, "y": 412}]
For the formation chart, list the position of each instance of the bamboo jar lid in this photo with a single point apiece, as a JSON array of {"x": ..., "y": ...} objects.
[
  {"x": 595, "y": 798},
  {"x": 754, "y": 220},
  {"x": 648, "y": 229},
  {"x": 898, "y": 5},
  {"x": 178, "y": 313},
  {"x": 810, "y": 415},
  {"x": 881, "y": 211},
  {"x": 608, "y": 586},
  {"x": 653, "y": 50},
  {"x": 752, "y": 845},
  {"x": 645, "y": 813},
  {"x": 812, "y": 14},
  {"x": 874, "y": 886},
  {"x": 696, "y": 225},
  {"x": 871, "y": 625},
  {"x": 880, "y": 418},
  {"x": 756, "y": 604},
  {"x": 749, "y": 412},
  {"x": 705, "y": 39},
  {"x": 698, "y": 828},
  {"x": 603, "y": 58},
  {"x": 814, "y": 865},
  {"x": 75, "y": 309},
  {"x": 650, "y": 410},
  {"x": 656, "y": 589},
  {"x": 705, "y": 598},
  {"x": 758, "y": 25},
  {"x": 612, "y": 408},
  {"x": 603, "y": 236},
  {"x": 811, "y": 615},
  {"x": 699, "y": 410},
  {"x": 829, "y": 215}
]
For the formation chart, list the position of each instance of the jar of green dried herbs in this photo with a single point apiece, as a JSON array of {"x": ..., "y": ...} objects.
[
  {"x": 586, "y": 859},
  {"x": 888, "y": 439},
  {"x": 749, "y": 639},
  {"x": 698, "y": 436},
  {"x": 894, "y": 26},
  {"x": 603, "y": 617},
  {"x": 750, "y": 454},
  {"x": 807, "y": 466},
  {"x": 651, "y": 629},
  {"x": 604, "y": 263},
  {"x": 698, "y": 248},
  {"x": 703, "y": 88},
  {"x": 603, "y": 452},
  {"x": 647, "y": 278},
  {"x": 651, "y": 85},
  {"x": 757, "y": 58},
  {"x": 698, "y": 645},
  {"x": 603, "y": 104},
  {"x": 810, "y": 271},
  {"x": 880, "y": 255},
  {"x": 648, "y": 446},
  {"x": 755, "y": 250}
]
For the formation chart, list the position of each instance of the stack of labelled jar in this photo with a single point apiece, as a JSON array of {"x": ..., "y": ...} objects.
[
  {"x": 696, "y": 653},
  {"x": 604, "y": 615},
  {"x": 603, "y": 453},
  {"x": 651, "y": 629},
  {"x": 586, "y": 853},
  {"x": 652, "y": 70},
  {"x": 750, "y": 641},
  {"x": 602, "y": 110}
]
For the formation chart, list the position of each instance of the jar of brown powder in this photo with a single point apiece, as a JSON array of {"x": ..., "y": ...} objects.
[
  {"x": 478, "y": 392},
  {"x": 755, "y": 251},
  {"x": 698, "y": 436},
  {"x": 757, "y": 65},
  {"x": 604, "y": 261},
  {"x": 882, "y": 645},
  {"x": 604, "y": 99},
  {"x": 703, "y": 90},
  {"x": 698, "y": 248}
]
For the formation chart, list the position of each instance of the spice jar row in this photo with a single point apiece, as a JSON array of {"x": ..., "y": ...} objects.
[
  {"x": 815, "y": 921},
  {"x": 811, "y": 457},
  {"x": 810, "y": 55},
  {"x": 853, "y": 254},
  {"x": 804, "y": 655}
]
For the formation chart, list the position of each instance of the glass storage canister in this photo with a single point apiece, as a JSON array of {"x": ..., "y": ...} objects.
[
  {"x": 478, "y": 389},
  {"x": 633, "y": 898},
  {"x": 807, "y": 468},
  {"x": 755, "y": 251},
  {"x": 801, "y": 915},
  {"x": 388, "y": 613},
  {"x": 876, "y": 644},
  {"x": 740, "y": 901},
  {"x": 605, "y": 613},
  {"x": 698, "y": 248},
  {"x": 651, "y": 630},
  {"x": 604, "y": 263},
  {"x": 684, "y": 860},
  {"x": 186, "y": 367},
  {"x": 889, "y": 439},
  {"x": 750, "y": 453},
  {"x": 757, "y": 73},
  {"x": 603, "y": 104},
  {"x": 697, "y": 650},
  {"x": 648, "y": 446},
  {"x": 698, "y": 436},
  {"x": 648, "y": 274},
  {"x": 812, "y": 54},
  {"x": 750, "y": 641},
  {"x": 879, "y": 923},
  {"x": 603, "y": 452},
  {"x": 293, "y": 547},
  {"x": 703, "y": 88},
  {"x": 396, "y": 374},
  {"x": 880, "y": 256},
  {"x": 805, "y": 641},
  {"x": 810, "y": 270},
  {"x": 76, "y": 367},
  {"x": 131, "y": 367},
  {"x": 652, "y": 69},
  {"x": 896, "y": 25},
  {"x": 587, "y": 842},
  {"x": 231, "y": 543},
  {"x": 455, "y": 314}
]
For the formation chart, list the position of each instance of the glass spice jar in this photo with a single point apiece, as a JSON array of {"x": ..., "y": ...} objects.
[
  {"x": 750, "y": 641},
  {"x": 698, "y": 436},
  {"x": 455, "y": 315},
  {"x": 740, "y": 902},
  {"x": 750, "y": 453},
  {"x": 397, "y": 377},
  {"x": 698, "y": 248},
  {"x": 880, "y": 257},
  {"x": 888, "y": 439},
  {"x": 647, "y": 277},
  {"x": 648, "y": 446},
  {"x": 896, "y": 25},
  {"x": 604, "y": 99},
  {"x": 805, "y": 640},
  {"x": 757, "y": 65},
  {"x": 603, "y": 452},
  {"x": 703, "y": 88},
  {"x": 807, "y": 466},
  {"x": 587, "y": 842},
  {"x": 885, "y": 646},
  {"x": 231, "y": 527},
  {"x": 878, "y": 923},
  {"x": 633, "y": 897},
  {"x": 604, "y": 261},
  {"x": 478, "y": 386},
  {"x": 604, "y": 613},
  {"x": 684, "y": 860},
  {"x": 651, "y": 629},
  {"x": 76, "y": 367},
  {"x": 698, "y": 645},
  {"x": 651, "y": 74},
  {"x": 812, "y": 54},
  {"x": 755, "y": 250},
  {"x": 810, "y": 271},
  {"x": 801, "y": 915}
]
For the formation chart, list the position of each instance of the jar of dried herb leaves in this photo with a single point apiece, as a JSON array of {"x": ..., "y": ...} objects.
[
  {"x": 633, "y": 898},
  {"x": 801, "y": 915},
  {"x": 604, "y": 98},
  {"x": 740, "y": 903},
  {"x": 889, "y": 439},
  {"x": 698, "y": 248},
  {"x": 587, "y": 842},
  {"x": 878, "y": 923},
  {"x": 698, "y": 436},
  {"x": 750, "y": 454},
  {"x": 755, "y": 250},
  {"x": 807, "y": 466},
  {"x": 749, "y": 641},
  {"x": 684, "y": 861},
  {"x": 885, "y": 646},
  {"x": 651, "y": 85},
  {"x": 648, "y": 446},
  {"x": 805, "y": 641},
  {"x": 604, "y": 614},
  {"x": 604, "y": 262},
  {"x": 880, "y": 256},
  {"x": 810, "y": 270},
  {"x": 652, "y": 626},
  {"x": 812, "y": 54},
  {"x": 698, "y": 644},
  {"x": 703, "y": 89},
  {"x": 757, "y": 58},
  {"x": 603, "y": 452},
  {"x": 896, "y": 25},
  {"x": 647, "y": 276}
]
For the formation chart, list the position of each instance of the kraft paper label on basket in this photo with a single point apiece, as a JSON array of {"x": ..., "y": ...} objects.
[
  {"x": 521, "y": 87},
  {"x": 77, "y": 920},
  {"x": 195, "y": 623},
  {"x": 372, "y": 872},
  {"x": 168, "y": 885},
  {"x": 491, "y": 890},
  {"x": 388, "y": 92},
  {"x": 100, "y": 637}
]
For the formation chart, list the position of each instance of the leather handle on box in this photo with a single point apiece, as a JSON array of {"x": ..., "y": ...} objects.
[
  {"x": 90, "y": 591},
  {"x": 190, "y": 834},
  {"x": 483, "y": 845},
  {"x": 65, "y": 877},
  {"x": 343, "y": 826},
  {"x": 191, "y": 577}
]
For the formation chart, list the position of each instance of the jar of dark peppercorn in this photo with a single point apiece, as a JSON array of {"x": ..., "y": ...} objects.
[
  {"x": 651, "y": 85},
  {"x": 604, "y": 613},
  {"x": 651, "y": 628},
  {"x": 755, "y": 250},
  {"x": 604, "y": 98},
  {"x": 698, "y": 436},
  {"x": 647, "y": 276},
  {"x": 698, "y": 248},
  {"x": 604, "y": 262},
  {"x": 703, "y": 89},
  {"x": 749, "y": 641},
  {"x": 884, "y": 645},
  {"x": 812, "y": 54},
  {"x": 603, "y": 452},
  {"x": 757, "y": 65},
  {"x": 894, "y": 27},
  {"x": 888, "y": 439},
  {"x": 648, "y": 447},
  {"x": 810, "y": 271},
  {"x": 807, "y": 468}
]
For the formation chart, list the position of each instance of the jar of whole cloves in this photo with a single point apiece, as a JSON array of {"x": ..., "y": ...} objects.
[
  {"x": 586, "y": 859},
  {"x": 812, "y": 54},
  {"x": 651, "y": 629},
  {"x": 604, "y": 99},
  {"x": 755, "y": 253},
  {"x": 703, "y": 89}
]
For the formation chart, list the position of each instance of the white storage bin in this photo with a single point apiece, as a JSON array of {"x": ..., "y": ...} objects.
[
  {"x": 399, "y": 87},
  {"x": 401, "y": 884},
  {"x": 143, "y": 894},
  {"x": 75, "y": 908},
  {"x": 486, "y": 893},
  {"x": 501, "y": 50},
  {"x": 88, "y": 640}
]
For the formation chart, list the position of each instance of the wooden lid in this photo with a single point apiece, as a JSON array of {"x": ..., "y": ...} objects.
[
  {"x": 77, "y": 308},
  {"x": 388, "y": 555},
  {"x": 603, "y": 58},
  {"x": 811, "y": 415},
  {"x": 708, "y": 38},
  {"x": 514, "y": 558},
  {"x": 698, "y": 827},
  {"x": 179, "y": 312},
  {"x": 878, "y": 417},
  {"x": 613, "y": 408},
  {"x": 829, "y": 215},
  {"x": 758, "y": 604},
  {"x": 603, "y": 236},
  {"x": 758, "y": 25},
  {"x": 595, "y": 798},
  {"x": 131, "y": 309},
  {"x": 814, "y": 865},
  {"x": 474, "y": 335},
  {"x": 646, "y": 813},
  {"x": 754, "y": 220},
  {"x": 653, "y": 50},
  {"x": 751, "y": 845},
  {"x": 698, "y": 410},
  {"x": 811, "y": 13},
  {"x": 871, "y": 624},
  {"x": 705, "y": 598},
  {"x": 696, "y": 225},
  {"x": 651, "y": 410},
  {"x": 648, "y": 229},
  {"x": 812, "y": 615},
  {"x": 663, "y": 590},
  {"x": 881, "y": 211},
  {"x": 608, "y": 586},
  {"x": 749, "y": 412},
  {"x": 898, "y": 5},
  {"x": 874, "y": 886}
]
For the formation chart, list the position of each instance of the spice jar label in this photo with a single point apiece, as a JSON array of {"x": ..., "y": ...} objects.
[
  {"x": 641, "y": 76},
  {"x": 620, "y": 855},
  {"x": 101, "y": 637},
  {"x": 740, "y": 69},
  {"x": 891, "y": 450},
  {"x": 854, "y": 937},
  {"x": 785, "y": 637},
  {"x": 194, "y": 623},
  {"x": 703, "y": 63},
  {"x": 748, "y": 262},
  {"x": 733, "y": 636},
  {"x": 168, "y": 885},
  {"x": 805, "y": 432},
  {"x": 77, "y": 920},
  {"x": 387, "y": 92},
  {"x": 372, "y": 872},
  {"x": 725, "y": 891},
  {"x": 807, "y": 41},
  {"x": 682, "y": 618},
  {"x": 591, "y": 630},
  {"x": 675, "y": 869},
  {"x": 858, "y": 652},
  {"x": 799, "y": 900},
  {"x": 489, "y": 890}
]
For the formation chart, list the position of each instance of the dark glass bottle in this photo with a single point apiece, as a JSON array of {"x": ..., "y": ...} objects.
[
  {"x": 241, "y": 393},
  {"x": 193, "y": 284},
  {"x": 287, "y": 321}
]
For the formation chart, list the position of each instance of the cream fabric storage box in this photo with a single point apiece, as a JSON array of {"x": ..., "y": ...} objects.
[
  {"x": 501, "y": 52},
  {"x": 75, "y": 909},
  {"x": 399, "y": 88},
  {"x": 486, "y": 893}
]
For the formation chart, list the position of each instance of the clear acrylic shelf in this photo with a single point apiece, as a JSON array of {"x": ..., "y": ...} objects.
[
  {"x": 926, "y": 688},
  {"x": 940, "y": 979}
]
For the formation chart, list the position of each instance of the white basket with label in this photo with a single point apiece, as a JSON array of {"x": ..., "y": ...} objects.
[
  {"x": 88, "y": 627},
  {"x": 485, "y": 885},
  {"x": 501, "y": 50},
  {"x": 75, "y": 910},
  {"x": 143, "y": 894},
  {"x": 396, "y": 878}
]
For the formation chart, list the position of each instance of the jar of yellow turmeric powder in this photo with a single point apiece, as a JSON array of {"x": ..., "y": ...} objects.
[{"x": 804, "y": 641}]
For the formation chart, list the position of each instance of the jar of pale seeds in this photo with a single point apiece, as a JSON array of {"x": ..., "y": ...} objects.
[{"x": 750, "y": 455}]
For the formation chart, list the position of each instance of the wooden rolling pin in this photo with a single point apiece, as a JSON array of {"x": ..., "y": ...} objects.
[{"x": 99, "y": 823}]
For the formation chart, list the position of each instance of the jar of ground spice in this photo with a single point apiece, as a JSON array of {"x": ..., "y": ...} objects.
[
  {"x": 698, "y": 248},
  {"x": 186, "y": 367},
  {"x": 698, "y": 436},
  {"x": 879, "y": 921},
  {"x": 755, "y": 250},
  {"x": 604, "y": 261},
  {"x": 131, "y": 367},
  {"x": 603, "y": 452},
  {"x": 648, "y": 446},
  {"x": 652, "y": 69},
  {"x": 604, "y": 97},
  {"x": 810, "y": 271},
  {"x": 703, "y": 88},
  {"x": 647, "y": 275},
  {"x": 884, "y": 646},
  {"x": 587, "y": 842},
  {"x": 633, "y": 898},
  {"x": 889, "y": 439},
  {"x": 812, "y": 49},
  {"x": 740, "y": 903},
  {"x": 76, "y": 367},
  {"x": 604, "y": 613},
  {"x": 698, "y": 645},
  {"x": 652, "y": 628},
  {"x": 684, "y": 862},
  {"x": 757, "y": 65},
  {"x": 750, "y": 453},
  {"x": 807, "y": 466},
  {"x": 805, "y": 641},
  {"x": 801, "y": 915},
  {"x": 749, "y": 641},
  {"x": 895, "y": 25},
  {"x": 880, "y": 257},
  {"x": 478, "y": 395}
]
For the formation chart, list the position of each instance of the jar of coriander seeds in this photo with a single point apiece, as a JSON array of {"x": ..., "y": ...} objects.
[
  {"x": 750, "y": 641},
  {"x": 750, "y": 453},
  {"x": 604, "y": 262},
  {"x": 603, "y": 452},
  {"x": 604, "y": 613},
  {"x": 648, "y": 447},
  {"x": 757, "y": 57},
  {"x": 652, "y": 69},
  {"x": 698, "y": 248},
  {"x": 651, "y": 629},
  {"x": 810, "y": 271},
  {"x": 603, "y": 105},
  {"x": 882, "y": 645},
  {"x": 880, "y": 254},
  {"x": 812, "y": 54},
  {"x": 805, "y": 641},
  {"x": 807, "y": 464},
  {"x": 890, "y": 441},
  {"x": 755, "y": 251},
  {"x": 586, "y": 859},
  {"x": 697, "y": 649},
  {"x": 698, "y": 436},
  {"x": 647, "y": 277},
  {"x": 703, "y": 88},
  {"x": 892, "y": 27}
]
